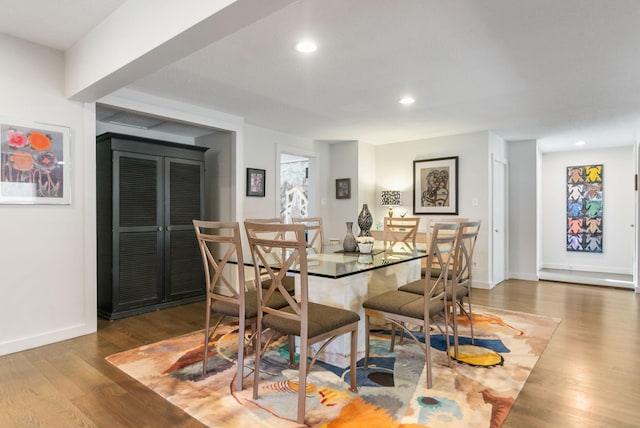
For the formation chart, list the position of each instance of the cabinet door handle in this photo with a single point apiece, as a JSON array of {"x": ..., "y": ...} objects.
[
  {"x": 169, "y": 228},
  {"x": 159, "y": 228}
]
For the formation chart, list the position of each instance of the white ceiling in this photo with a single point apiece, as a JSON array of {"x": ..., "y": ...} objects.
[{"x": 555, "y": 71}]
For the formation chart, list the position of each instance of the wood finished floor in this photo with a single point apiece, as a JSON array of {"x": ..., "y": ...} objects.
[{"x": 587, "y": 376}]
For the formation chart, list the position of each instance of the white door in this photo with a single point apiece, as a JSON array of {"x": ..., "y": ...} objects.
[{"x": 498, "y": 221}]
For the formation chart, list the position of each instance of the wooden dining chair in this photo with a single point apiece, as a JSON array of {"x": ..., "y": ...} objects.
[
  {"x": 458, "y": 293},
  {"x": 407, "y": 310},
  {"x": 221, "y": 249},
  {"x": 311, "y": 322},
  {"x": 400, "y": 230},
  {"x": 313, "y": 229}
]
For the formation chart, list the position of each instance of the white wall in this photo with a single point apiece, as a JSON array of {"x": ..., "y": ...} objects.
[
  {"x": 366, "y": 181},
  {"x": 618, "y": 215},
  {"x": 522, "y": 210},
  {"x": 394, "y": 170},
  {"x": 262, "y": 147},
  {"x": 343, "y": 161},
  {"x": 220, "y": 168},
  {"x": 47, "y": 255}
]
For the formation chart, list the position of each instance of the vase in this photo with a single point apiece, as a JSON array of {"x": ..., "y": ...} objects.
[
  {"x": 349, "y": 242},
  {"x": 365, "y": 220}
]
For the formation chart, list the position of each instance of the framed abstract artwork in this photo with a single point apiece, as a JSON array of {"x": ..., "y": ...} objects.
[
  {"x": 35, "y": 165},
  {"x": 255, "y": 181},
  {"x": 435, "y": 186},
  {"x": 343, "y": 188}
]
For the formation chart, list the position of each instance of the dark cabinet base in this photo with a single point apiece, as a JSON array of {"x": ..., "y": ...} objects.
[{"x": 111, "y": 316}]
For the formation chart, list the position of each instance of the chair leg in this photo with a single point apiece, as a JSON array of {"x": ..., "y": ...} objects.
[
  {"x": 292, "y": 350},
  {"x": 470, "y": 316},
  {"x": 206, "y": 338},
  {"x": 366, "y": 340},
  {"x": 427, "y": 355},
  {"x": 240, "y": 374},
  {"x": 392, "y": 345},
  {"x": 302, "y": 380},
  {"x": 454, "y": 314},
  {"x": 446, "y": 334},
  {"x": 354, "y": 359},
  {"x": 393, "y": 336},
  {"x": 258, "y": 354}
]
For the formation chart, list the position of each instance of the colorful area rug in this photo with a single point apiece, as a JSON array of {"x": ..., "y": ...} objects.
[{"x": 391, "y": 393}]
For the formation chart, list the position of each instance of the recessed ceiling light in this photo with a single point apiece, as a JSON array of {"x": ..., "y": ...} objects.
[
  {"x": 580, "y": 143},
  {"x": 407, "y": 100},
  {"x": 306, "y": 46}
]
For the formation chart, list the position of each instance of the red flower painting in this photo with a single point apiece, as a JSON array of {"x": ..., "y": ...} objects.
[{"x": 32, "y": 159}]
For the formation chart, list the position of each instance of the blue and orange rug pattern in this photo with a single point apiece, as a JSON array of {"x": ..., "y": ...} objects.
[{"x": 391, "y": 392}]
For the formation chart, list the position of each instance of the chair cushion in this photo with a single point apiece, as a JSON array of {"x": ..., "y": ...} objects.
[
  {"x": 416, "y": 287},
  {"x": 460, "y": 293},
  {"x": 322, "y": 319},
  {"x": 250, "y": 305},
  {"x": 391, "y": 301},
  {"x": 289, "y": 283},
  {"x": 435, "y": 272},
  {"x": 402, "y": 303},
  {"x": 415, "y": 309}
]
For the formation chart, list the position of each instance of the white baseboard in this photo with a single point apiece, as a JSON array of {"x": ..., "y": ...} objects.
[
  {"x": 587, "y": 277},
  {"x": 482, "y": 284},
  {"x": 24, "y": 343},
  {"x": 588, "y": 268},
  {"x": 523, "y": 276}
]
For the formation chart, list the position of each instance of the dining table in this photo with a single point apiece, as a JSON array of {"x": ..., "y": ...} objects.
[{"x": 346, "y": 279}]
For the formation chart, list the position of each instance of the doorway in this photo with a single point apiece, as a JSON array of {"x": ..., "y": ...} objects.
[
  {"x": 498, "y": 224},
  {"x": 297, "y": 172},
  {"x": 294, "y": 187}
]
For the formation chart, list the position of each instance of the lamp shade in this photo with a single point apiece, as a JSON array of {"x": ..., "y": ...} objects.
[{"x": 390, "y": 198}]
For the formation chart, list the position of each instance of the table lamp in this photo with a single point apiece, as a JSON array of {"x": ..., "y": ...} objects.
[{"x": 390, "y": 198}]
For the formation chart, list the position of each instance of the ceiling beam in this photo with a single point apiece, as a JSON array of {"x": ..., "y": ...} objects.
[{"x": 143, "y": 36}]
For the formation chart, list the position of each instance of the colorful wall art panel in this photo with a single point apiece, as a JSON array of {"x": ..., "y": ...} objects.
[
  {"x": 584, "y": 208},
  {"x": 34, "y": 163}
]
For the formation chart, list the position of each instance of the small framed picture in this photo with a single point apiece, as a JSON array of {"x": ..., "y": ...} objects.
[
  {"x": 343, "y": 188},
  {"x": 435, "y": 186},
  {"x": 255, "y": 181}
]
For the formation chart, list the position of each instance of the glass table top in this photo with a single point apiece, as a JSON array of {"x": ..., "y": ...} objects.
[{"x": 333, "y": 262}]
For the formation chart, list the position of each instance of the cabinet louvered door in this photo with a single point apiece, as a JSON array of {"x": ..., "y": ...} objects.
[
  {"x": 184, "y": 193},
  {"x": 137, "y": 230}
]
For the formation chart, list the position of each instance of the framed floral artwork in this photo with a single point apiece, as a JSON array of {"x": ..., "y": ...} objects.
[{"x": 35, "y": 165}]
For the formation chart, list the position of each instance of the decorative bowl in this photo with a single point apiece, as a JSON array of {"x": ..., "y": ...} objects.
[{"x": 365, "y": 247}]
